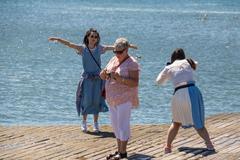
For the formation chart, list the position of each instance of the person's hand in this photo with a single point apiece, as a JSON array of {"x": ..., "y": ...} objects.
[
  {"x": 104, "y": 74},
  {"x": 116, "y": 76},
  {"x": 53, "y": 39}
]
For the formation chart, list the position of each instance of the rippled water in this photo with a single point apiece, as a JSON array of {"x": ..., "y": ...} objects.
[{"x": 38, "y": 79}]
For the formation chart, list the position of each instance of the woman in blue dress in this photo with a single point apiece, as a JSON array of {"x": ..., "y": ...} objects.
[{"x": 89, "y": 99}]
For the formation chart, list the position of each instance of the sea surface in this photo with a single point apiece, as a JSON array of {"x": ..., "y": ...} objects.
[{"x": 38, "y": 79}]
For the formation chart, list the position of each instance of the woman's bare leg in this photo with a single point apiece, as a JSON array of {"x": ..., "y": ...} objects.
[
  {"x": 203, "y": 133},
  {"x": 172, "y": 133}
]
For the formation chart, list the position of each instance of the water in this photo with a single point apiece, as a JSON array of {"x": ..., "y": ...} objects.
[{"x": 38, "y": 79}]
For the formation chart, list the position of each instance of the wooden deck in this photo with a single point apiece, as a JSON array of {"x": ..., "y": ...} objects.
[{"x": 68, "y": 142}]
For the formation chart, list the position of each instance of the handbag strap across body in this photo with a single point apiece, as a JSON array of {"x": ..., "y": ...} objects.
[
  {"x": 122, "y": 61},
  {"x": 99, "y": 65},
  {"x": 94, "y": 58}
]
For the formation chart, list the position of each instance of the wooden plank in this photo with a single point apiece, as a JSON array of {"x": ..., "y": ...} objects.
[{"x": 147, "y": 141}]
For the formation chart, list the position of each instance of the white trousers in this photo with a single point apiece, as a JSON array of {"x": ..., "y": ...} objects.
[{"x": 120, "y": 120}]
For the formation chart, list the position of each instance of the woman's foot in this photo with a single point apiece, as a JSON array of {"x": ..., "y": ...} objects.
[
  {"x": 112, "y": 155},
  {"x": 96, "y": 127},
  {"x": 210, "y": 146},
  {"x": 119, "y": 156},
  {"x": 84, "y": 126},
  {"x": 167, "y": 149}
]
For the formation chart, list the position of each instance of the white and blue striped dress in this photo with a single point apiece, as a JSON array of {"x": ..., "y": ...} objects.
[{"x": 187, "y": 103}]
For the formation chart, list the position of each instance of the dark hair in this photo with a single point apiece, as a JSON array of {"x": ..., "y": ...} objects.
[
  {"x": 85, "y": 39},
  {"x": 178, "y": 54}
]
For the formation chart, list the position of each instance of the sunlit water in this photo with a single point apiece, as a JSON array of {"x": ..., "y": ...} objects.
[{"x": 38, "y": 79}]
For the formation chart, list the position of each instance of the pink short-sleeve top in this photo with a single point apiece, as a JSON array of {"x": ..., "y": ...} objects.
[{"x": 117, "y": 93}]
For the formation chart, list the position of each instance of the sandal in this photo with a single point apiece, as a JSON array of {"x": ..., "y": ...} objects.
[
  {"x": 119, "y": 156},
  {"x": 111, "y": 155},
  {"x": 167, "y": 149},
  {"x": 210, "y": 146}
]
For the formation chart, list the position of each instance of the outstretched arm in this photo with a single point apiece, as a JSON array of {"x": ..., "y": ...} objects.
[
  {"x": 108, "y": 48},
  {"x": 111, "y": 47},
  {"x": 67, "y": 43},
  {"x": 133, "y": 46}
]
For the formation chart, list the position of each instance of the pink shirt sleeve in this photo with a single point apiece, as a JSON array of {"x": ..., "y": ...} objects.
[{"x": 134, "y": 66}]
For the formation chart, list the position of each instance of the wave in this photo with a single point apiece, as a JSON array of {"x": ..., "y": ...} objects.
[{"x": 110, "y": 9}]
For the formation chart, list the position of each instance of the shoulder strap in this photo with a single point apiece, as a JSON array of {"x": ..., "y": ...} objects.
[
  {"x": 119, "y": 63},
  {"x": 94, "y": 58},
  {"x": 122, "y": 61}
]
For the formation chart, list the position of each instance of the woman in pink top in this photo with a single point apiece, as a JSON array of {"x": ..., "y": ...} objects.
[{"x": 122, "y": 77}]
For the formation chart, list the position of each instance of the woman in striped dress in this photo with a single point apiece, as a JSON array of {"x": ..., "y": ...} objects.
[{"x": 187, "y": 103}]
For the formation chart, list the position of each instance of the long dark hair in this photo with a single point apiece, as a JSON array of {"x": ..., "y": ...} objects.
[
  {"x": 178, "y": 54},
  {"x": 85, "y": 39}
]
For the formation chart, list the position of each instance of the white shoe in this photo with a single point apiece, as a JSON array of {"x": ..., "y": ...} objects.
[
  {"x": 96, "y": 127},
  {"x": 84, "y": 126}
]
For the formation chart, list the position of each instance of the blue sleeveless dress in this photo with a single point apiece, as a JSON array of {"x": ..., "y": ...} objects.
[{"x": 89, "y": 98}]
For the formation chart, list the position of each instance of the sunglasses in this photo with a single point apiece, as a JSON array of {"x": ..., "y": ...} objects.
[
  {"x": 118, "y": 52},
  {"x": 92, "y": 36}
]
